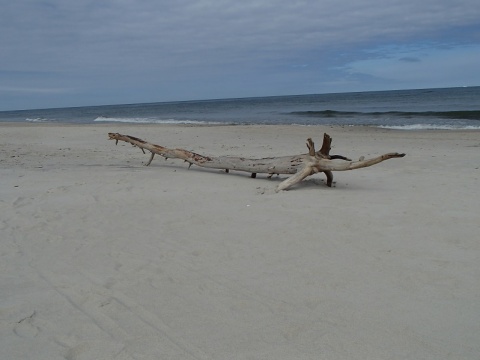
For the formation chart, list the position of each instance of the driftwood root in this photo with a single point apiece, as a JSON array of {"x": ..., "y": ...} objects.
[{"x": 299, "y": 166}]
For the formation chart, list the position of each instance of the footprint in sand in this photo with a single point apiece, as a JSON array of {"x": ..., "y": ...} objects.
[
  {"x": 25, "y": 327},
  {"x": 19, "y": 202},
  {"x": 76, "y": 352}
]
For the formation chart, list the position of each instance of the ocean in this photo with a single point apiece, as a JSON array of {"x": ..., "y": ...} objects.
[{"x": 448, "y": 108}]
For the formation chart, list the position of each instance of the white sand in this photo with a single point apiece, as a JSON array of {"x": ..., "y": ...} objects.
[{"x": 103, "y": 258}]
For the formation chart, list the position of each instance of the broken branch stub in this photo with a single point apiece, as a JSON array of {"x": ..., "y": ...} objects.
[{"x": 299, "y": 166}]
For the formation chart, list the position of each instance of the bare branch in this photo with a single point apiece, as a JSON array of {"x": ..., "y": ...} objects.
[{"x": 299, "y": 166}]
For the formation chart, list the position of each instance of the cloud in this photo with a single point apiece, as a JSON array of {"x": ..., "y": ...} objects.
[
  {"x": 191, "y": 32},
  {"x": 409, "y": 59},
  {"x": 35, "y": 90},
  {"x": 438, "y": 67},
  {"x": 133, "y": 44}
]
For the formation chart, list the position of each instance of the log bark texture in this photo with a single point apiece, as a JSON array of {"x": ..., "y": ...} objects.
[{"x": 299, "y": 166}]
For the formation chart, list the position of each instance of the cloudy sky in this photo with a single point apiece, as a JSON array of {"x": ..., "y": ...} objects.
[{"x": 59, "y": 53}]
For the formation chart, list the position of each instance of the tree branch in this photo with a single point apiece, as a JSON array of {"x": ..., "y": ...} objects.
[{"x": 300, "y": 166}]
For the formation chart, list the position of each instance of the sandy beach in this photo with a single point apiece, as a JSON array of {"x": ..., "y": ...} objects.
[{"x": 104, "y": 258}]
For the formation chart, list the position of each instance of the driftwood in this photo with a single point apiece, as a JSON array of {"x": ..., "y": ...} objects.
[{"x": 299, "y": 166}]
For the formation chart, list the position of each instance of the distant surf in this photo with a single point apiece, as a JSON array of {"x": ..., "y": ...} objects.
[
  {"x": 421, "y": 109},
  {"x": 460, "y": 115},
  {"x": 429, "y": 127},
  {"x": 151, "y": 121},
  {"x": 36, "y": 119}
]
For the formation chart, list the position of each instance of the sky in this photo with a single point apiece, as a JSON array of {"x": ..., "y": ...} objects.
[{"x": 63, "y": 53}]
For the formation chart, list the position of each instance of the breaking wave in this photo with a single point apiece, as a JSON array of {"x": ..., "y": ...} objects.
[
  {"x": 430, "y": 127},
  {"x": 39, "y": 119},
  {"x": 458, "y": 115},
  {"x": 152, "y": 121}
]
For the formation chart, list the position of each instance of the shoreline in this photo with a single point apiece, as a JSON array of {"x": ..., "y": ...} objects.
[
  {"x": 103, "y": 257},
  {"x": 213, "y": 124}
]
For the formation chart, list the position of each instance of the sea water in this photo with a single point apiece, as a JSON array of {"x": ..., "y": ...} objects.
[{"x": 448, "y": 108}]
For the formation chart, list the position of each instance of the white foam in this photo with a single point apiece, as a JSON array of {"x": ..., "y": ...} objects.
[
  {"x": 36, "y": 120},
  {"x": 430, "y": 127},
  {"x": 151, "y": 121}
]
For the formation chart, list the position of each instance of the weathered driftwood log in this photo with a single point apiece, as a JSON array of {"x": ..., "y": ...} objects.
[{"x": 300, "y": 166}]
